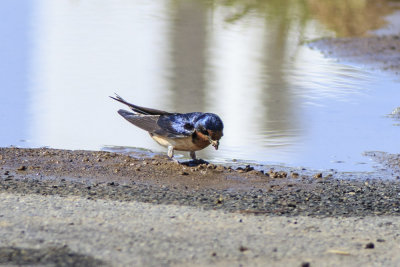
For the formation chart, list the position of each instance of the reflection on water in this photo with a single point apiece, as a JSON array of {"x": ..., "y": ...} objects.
[
  {"x": 353, "y": 17},
  {"x": 281, "y": 102}
]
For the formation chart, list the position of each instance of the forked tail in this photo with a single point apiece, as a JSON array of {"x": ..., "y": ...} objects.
[{"x": 139, "y": 109}]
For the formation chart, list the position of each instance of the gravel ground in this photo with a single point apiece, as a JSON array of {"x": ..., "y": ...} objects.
[
  {"x": 160, "y": 181},
  {"x": 86, "y": 232},
  {"x": 306, "y": 197}
]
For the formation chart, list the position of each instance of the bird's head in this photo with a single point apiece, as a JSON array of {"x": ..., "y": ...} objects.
[{"x": 210, "y": 126}]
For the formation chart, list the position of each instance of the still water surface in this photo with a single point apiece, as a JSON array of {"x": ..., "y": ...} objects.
[{"x": 281, "y": 102}]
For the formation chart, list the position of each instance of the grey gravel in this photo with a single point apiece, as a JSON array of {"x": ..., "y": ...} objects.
[
  {"x": 133, "y": 233},
  {"x": 330, "y": 197}
]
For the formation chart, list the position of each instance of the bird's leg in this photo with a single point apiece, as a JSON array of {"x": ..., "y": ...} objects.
[
  {"x": 194, "y": 158},
  {"x": 196, "y": 161},
  {"x": 171, "y": 154}
]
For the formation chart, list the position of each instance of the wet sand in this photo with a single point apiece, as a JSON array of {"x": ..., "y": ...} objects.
[
  {"x": 373, "y": 52},
  {"x": 104, "y": 175}
]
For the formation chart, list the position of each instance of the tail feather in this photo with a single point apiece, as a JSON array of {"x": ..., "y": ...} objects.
[{"x": 139, "y": 109}]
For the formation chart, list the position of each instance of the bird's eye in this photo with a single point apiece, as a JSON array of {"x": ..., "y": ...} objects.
[
  {"x": 204, "y": 131},
  {"x": 188, "y": 126}
]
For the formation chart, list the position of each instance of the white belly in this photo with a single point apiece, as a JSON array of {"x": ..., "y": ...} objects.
[{"x": 183, "y": 144}]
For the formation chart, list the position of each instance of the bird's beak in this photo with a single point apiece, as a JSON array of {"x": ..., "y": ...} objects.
[{"x": 214, "y": 143}]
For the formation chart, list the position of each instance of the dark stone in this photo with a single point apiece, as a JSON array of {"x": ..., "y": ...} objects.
[
  {"x": 243, "y": 248},
  {"x": 370, "y": 245}
]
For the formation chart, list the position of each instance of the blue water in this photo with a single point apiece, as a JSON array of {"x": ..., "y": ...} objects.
[{"x": 281, "y": 102}]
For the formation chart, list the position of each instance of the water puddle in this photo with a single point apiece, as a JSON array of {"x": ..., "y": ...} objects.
[{"x": 282, "y": 102}]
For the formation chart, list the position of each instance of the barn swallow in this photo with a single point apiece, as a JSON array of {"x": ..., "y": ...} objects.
[{"x": 176, "y": 131}]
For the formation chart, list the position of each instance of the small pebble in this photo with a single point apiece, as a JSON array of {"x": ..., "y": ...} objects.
[
  {"x": 317, "y": 175},
  {"x": 220, "y": 168},
  {"x": 280, "y": 174},
  {"x": 243, "y": 249},
  {"x": 370, "y": 245},
  {"x": 211, "y": 166},
  {"x": 22, "y": 168}
]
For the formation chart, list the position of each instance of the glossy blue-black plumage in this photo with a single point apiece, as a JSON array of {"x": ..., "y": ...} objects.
[
  {"x": 185, "y": 124},
  {"x": 209, "y": 121},
  {"x": 177, "y": 124}
]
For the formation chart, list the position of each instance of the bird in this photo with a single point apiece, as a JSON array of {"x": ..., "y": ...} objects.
[{"x": 176, "y": 131}]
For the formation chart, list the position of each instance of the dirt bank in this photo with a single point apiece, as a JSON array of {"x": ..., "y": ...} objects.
[{"x": 374, "y": 52}]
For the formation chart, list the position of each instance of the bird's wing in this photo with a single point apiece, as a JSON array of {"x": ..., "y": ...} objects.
[
  {"x": 179, "y": 125},
  {"x": 140, "y": 110},
  {"x": 162, "y": 125}
]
